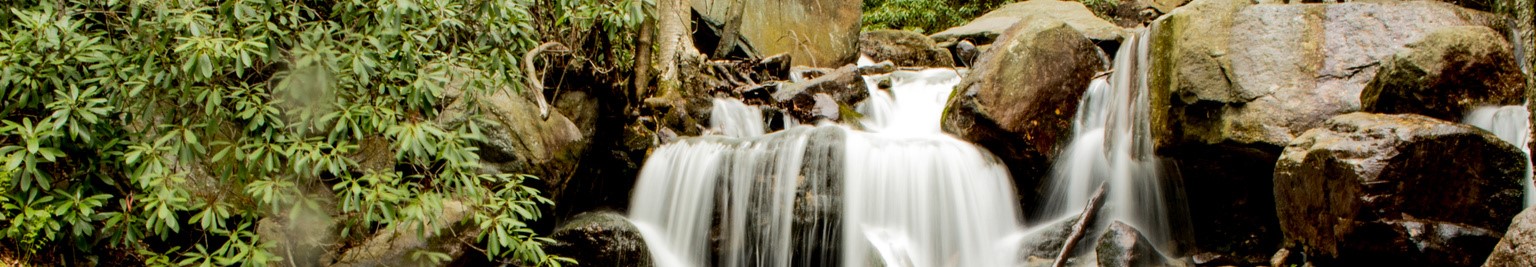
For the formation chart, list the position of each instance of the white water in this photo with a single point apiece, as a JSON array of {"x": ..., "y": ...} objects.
[
  {"x": 903, "y": 194},
  {"x": 1509, "y": 123},
  {"x": 1112, "y": 145},
  {"x": 730, "y": 117}
]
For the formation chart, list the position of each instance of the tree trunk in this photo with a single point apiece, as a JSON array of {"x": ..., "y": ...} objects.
[{"x": 674, "y": 45}]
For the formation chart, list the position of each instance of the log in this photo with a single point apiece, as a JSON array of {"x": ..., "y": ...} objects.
[{"x": 1081, "y": 228}]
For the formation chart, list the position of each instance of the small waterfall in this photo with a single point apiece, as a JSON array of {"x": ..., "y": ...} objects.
[
  {"x": 731, "y": 117},
  {"x": 1112, "y": 144},
  {"x": 1509, "y": 123},
  {"x": 901, "y": 194}
]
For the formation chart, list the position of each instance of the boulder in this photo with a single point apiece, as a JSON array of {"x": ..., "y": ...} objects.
[
  {"x": 824, "y": 95},
  {"x": 1019, "y": 99},
  {"x": 1134, "y": 13},
  {"x": 904, "y": 48},
  {"x": 992, "y": 25},
  {"x": 600, "y": 239},
  {"x": 1518, "y": 248},
  {"x": 1230, "y": 76},
  {"x": 1291, "y": 73},
  {"x": 394, "y": 246},
  {"x": 1122, "y": 245},
  {"x": 1397, "y": 189},
  {"x": 813, "y": 32},
  {"x": 519, "y": 141},
  {"x": 1446, "y": 75}
]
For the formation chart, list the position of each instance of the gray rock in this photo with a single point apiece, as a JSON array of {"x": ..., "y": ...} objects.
[
  {"x": 822, "y": 95},
  {"x": 1399, "y": 189},
  {"x": 991, "y": 26},
  {"x": 1123, "y": 246},
  {"x": 1447, "y": 74},
  {"x": 1019, "y": 99},
  {"x": 813, "y": 32},
  {"x": 904, "y": 48},
  {"x": 394, "y": 246},
  {"x": 1233, "y": 83},
  {"x": 519, "y": 141},
  {"x": 600, "y": 239},
  {"x": 1518, "y": 248}
]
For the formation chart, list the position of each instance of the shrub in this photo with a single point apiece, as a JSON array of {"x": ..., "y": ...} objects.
[{"x": 166, "y": 129}]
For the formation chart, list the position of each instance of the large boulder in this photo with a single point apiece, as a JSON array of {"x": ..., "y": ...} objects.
[
  {"x": 904, "y": 48},
  {"x": 1289, "y": 76},
  {"x": 1518, "y": 248},
  {"x": 1230, "y": 76},
  {"x": 813, "y": 32},
  {"x": 1019, "y": 99},
  {"x": 600, "y": 239},
  {"x": 519, "y": 141},
  {"x": 1397, "y": 189},
  {"x": 992, "y": 25},
  {"x": 1447, "y": 74}
]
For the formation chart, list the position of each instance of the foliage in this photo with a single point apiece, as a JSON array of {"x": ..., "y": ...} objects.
[
  {"x": 923, "y": 16},
  {"x": 167, "y": 129}
]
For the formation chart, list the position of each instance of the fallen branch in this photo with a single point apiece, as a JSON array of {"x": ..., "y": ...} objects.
[{"x": 1081, "y": 228}]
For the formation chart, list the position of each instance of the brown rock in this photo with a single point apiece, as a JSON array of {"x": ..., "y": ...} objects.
[
  {"x": 1447, "y": 74},
  {"x": 1019, "y": 99},
  {"x": 1399, "y": 189}
]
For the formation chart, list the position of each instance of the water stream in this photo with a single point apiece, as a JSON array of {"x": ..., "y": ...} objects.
[
  {"x": 1112, "y": 145},
  {"x": 899, "y": 194}
]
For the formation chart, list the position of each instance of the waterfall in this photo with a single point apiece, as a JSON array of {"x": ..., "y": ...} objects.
[
  {"x": 1112, "y": 145},
  {"x": 901, "y": 194},
  {"x": 731, "y": 117},
  {"x": 1510, "y": 124}
]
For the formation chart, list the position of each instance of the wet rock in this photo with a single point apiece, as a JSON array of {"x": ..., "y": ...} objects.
[
  {"x": 773, "y": 68},
  {"x": 1398, "y": 189},
  {"x": 600, "y": 239},
  {"x": 1447, "y": 74},
  {"x": 1123, "y": 245},
  {"x": 394, "y": 246},
  {"x": 883, "y": 67},
  {"x": 1518, "y": 248},
  {"x": 904, "y": 48},
  {"x": 1232, "y": 76},
  {"x": 965, "y": 53},
  {"x": 821, "y": 95},
  {"x": 991, "y": 26},
  {"x": 1019, "y": 99},
  {"x": 813, "y": 32}
]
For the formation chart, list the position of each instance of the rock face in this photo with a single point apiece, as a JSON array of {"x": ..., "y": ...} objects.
[
  {"x": 994, "y": 24},
  {"x": 1447, "y": 74},
  {"x": 1518, "y": 248},
  {"x": 1291, "y": 73},
  {"x": 601, "y": 239},
  {"x": 1019, "y": 99},
  {"x": 1399, "y": 189},
  {"x": 822, "y": 33},
  {"x": 1230, "y": 76},
  {"x": 904, "y": 48},
  {"x": 1123, "y": 246}
]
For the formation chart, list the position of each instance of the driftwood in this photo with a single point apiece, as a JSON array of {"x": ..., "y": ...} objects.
[
  {"x": 535, "y": 83},
  {"x": 1083, "y": 222}
]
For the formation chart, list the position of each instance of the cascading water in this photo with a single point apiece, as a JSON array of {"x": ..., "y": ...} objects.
[
  {"x": 902, "y": 194},
  {"x": 1112, "y": 145},
  {"x": 1510, "y": 124},
  {"x": 731, "y": 117}
]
